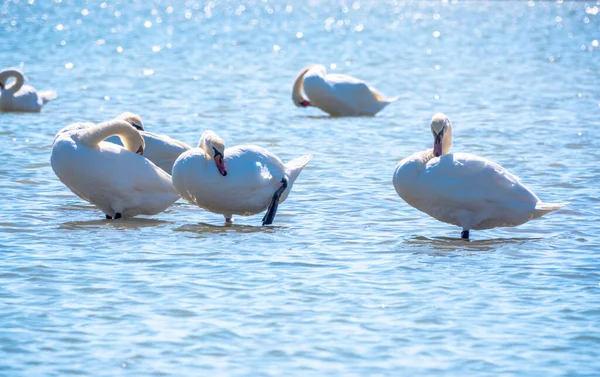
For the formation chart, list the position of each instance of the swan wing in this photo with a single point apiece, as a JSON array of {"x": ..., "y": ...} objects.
[
  {"x": 253, "y": 175},
  {"x": 470, "y": 191},
  {"x": 112, "y": 178},
  {"x": 340, "y": 94},
  {"x": 160, "y": 149},
  {"x": 470, "y": 180},
  {"x": 163, "y": 150},
  {"x": 26, "y": 99}
]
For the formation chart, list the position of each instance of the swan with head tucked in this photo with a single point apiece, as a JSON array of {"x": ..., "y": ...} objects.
[
  {"x": 162, "y": 150},
  {"x": 19, "y": 97},
  {"x": 336, "y": 94},
  {"x": 118, "y": 180},
  {"x": 464, "y": 189},
  {"x": 242, "y": 180}
]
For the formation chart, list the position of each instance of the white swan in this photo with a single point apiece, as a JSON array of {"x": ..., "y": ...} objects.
[
  {"x": 242, "y": 180},
  {"x": 115, "y": 179},
  {"x": 336, "y": 94},
  {"x": 464, "y": 189},
  {"x": 162, "y": 150},
  {"x": 19, "y": 97}
]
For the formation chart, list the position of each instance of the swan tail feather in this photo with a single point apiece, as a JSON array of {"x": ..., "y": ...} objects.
[
  {"x": 295, "y": 166},
  {"x": 542, "y": 208},
  {"x": 47, "y": 96}
]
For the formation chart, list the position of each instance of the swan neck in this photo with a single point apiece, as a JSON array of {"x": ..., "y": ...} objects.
[
  {"x": 203, "y": 144},
  {"x": 447, "y": 141},
  {"x": 131, "y": 138},
  {"x": 297, "y": 95},
  {"x": 18, "y": 76}
]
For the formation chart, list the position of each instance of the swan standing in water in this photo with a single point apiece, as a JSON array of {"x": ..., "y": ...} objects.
[
  {"x": 160, "y": 149},
  {"x": 337, "y": 94},
  {"x": 464, "y": 189},
  {"x": 117, "y": 180},
  {"x": 19, "y": 97},
  {"x": 242, "y": 180}
]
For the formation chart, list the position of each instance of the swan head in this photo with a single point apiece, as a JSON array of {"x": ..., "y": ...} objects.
[
  {"x": 441, "y": 128},
  {"x": 135, "y": 141},
  {"x": 214, "y": 147},
  {"x": 133, "y": 119}
]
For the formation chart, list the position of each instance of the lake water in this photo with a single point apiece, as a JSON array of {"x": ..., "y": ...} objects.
[{"x": 350, "y": 280}]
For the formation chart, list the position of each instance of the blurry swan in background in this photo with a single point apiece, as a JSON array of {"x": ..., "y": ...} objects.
[
  {"x": 243, "y": 180},
  {"x": 162, "y": 150},
  {"x": 117, "y": 180},
  {"x": 464, "y": 189},
  {"x": 337, "y": 94},
  {"x": 19, "y": 97}
]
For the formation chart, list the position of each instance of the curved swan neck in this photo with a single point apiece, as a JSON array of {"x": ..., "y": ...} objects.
[
  {"x": 441, "y": 127},
  {"x": 131, "y": 138},
  {"x": 12, "y": 72},
  {"x": 297, "y": 95},
  {"x": 211, "y": 142},
  {"x": 204, "y": 143},
  {"x": 447, "y": 141}
]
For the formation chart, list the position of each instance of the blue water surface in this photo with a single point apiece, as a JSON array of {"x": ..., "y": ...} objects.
[{"x": 350, "y": 280}]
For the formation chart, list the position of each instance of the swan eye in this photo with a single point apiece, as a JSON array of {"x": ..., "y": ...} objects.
[{"x": 217, "y": 153}]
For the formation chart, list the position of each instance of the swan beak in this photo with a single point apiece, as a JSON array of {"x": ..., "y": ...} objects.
[
  {"x": 437, "y": 146},
  {"x": 305, "y": 103},
  {"x": 220, "y": 165},
  {"x": 140, "y": 150}
]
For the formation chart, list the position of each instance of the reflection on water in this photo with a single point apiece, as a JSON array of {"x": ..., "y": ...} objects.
[
  {"x": 123, "y": 223},
  {"x": 444, "y": 244},
  {"x": 350, "y": 280},
  {"x": 226, "y": 227}
]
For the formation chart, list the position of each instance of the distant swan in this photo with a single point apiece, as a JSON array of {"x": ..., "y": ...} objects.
[
  {"x": 160, "y": 149},
  {"x": 117, "y": 180},
  {"x": 19, "y": 97},
  {"x": 242, "y": 180},
  {"x": 464, "y": 189},
  {"x": 337, "y": 94}
]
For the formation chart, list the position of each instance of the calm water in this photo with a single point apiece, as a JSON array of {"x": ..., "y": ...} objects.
[{"x": 350, "y": 280}]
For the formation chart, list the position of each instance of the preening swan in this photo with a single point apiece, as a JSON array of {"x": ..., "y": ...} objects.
[
  {"x": 242, "y": 180},
  {"x": 19, "y": 97},
  {"x": 160, "y": 149},
  {"x": 337, "y": 94},
  {"x": 117, "y": 180},
  {"x": 464, "y": 189}
]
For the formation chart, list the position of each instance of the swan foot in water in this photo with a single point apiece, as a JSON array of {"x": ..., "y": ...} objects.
[
  {"x": 108, "y": 217},
  {"x": 272, "y": 210},
  {"x": 464, "y": 235},
  {"x": 229, "y": 220},
  {"x": 117, "y": 215}
]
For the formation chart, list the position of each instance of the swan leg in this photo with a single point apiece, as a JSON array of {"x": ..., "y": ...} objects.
[
  {"x": 272, "y": 210},
  {"x": 464, "y": 234},
  {"x": 229, "y": 219},
  {"x": 117, "y": 215},
  {"x": 108, "y": 217}
]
